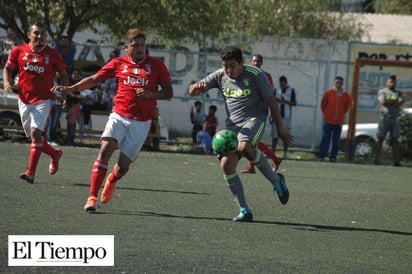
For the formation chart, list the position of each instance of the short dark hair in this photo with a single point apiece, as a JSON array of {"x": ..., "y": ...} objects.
[
  {"x": 232, "y": 52},
  {"x": 283, "y": 79},
  {"x": 198, "y": 103},
  {"x": 339, "y": 78},
  {"x": 133, "y": 34},
  {"x": 38, "y": 24},
  {"x": 257, "y": 55},
  {"x": 213, "y": 107},
  {"x": 392, "y": 77}
]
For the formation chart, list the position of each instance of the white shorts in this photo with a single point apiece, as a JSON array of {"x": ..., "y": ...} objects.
[
  {"x": 287, "y": 125},
  {"x": 130, "y": 134},
  {"x": 34, "y": 115}
]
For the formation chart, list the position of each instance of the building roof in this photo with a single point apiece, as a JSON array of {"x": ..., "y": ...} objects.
[{"x": 386, "y": 28}]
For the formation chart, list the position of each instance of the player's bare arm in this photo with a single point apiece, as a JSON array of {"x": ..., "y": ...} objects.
[
  {"x": 86, "y": 83},
  {"x": 8, "y": 87},
  {"x": 166, "y": 92},
  {"x": 197, "y": 88}
]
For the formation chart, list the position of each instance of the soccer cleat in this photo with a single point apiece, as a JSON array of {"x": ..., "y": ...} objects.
[
  {"x": 26, "y": 176},
  {"x": 250, "y": 170},
  {"x": 245, "y": 215},
  {"x": 107, "y": 192},
  {"x": 54, "y": 162},
  {"x": 90, "y": 205},
  {"x": 281, "y": 189},
  {"x": 276, "y": 164}
]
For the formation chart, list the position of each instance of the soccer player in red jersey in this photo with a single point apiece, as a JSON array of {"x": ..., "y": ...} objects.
[
  {"x": 37, "y": 66},
  {"x": 257, "y": 60},
  {"x": 135, "y": 104}
]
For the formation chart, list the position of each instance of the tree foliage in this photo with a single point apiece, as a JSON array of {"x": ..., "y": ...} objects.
[
  {"x": 403, "y": 7},
  {"x": 203, "y": 22}
]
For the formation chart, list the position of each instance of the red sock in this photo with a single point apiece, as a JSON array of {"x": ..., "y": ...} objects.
[
  {"x": 35, "y": 152},
  {"x": 250, "y": 165},
  {"x": 48, "y": 149},
  {"x": 98, "y": 173},
  {"x": 115, "y": 175},
  {"x": 267, "y": 151}
]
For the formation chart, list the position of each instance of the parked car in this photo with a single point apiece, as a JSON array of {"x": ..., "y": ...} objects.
[
  {"x": 365, "y": 135},
  {"x": 10, "y": 119},
  {"x": 365, "y": 139}
]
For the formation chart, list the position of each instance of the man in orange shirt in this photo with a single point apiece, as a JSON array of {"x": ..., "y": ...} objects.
[{"x": 334, "y": 105}]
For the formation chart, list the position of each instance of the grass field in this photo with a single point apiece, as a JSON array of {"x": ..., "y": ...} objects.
[{"x": 172, "y": 214}]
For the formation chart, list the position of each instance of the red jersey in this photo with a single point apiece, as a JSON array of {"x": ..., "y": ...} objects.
[
  {"x": 36, "y": 71},
  {"x": 211, "y": 124},
  {"x": 148, "y": 74},
  {"x": 269, "y": 78}
]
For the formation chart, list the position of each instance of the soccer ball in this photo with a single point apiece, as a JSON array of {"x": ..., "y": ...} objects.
[{"x": 224, "y": 141}]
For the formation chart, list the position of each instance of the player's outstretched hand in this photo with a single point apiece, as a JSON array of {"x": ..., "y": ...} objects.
[
  {"x": 197, "y": 88},
  {"x": 286, "y": 137}
]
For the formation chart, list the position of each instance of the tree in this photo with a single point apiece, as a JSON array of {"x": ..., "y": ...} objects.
[
  {"x": 60, "y": 16},
  {"x": 207, "y": 23},
  {"x": 390, "y": 7}
]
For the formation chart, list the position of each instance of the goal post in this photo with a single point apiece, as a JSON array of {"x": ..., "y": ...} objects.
[{"x": 359, "y": 62}]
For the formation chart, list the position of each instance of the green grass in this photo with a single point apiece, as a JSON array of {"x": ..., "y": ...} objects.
[{"x": 172, "y": 214}]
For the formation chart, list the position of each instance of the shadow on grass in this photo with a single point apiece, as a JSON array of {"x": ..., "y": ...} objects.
[
  {"x": 152, "y": 190},
  {"x": 297, "y": 226}
]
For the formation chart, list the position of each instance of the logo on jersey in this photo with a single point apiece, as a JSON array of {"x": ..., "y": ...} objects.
[
  {"x": 246, "y": 82},
  {"x": 135, "y": 70},
  {"x": 125, "y": 69},
  {"x": 34, "y": 68},
  {"x": 35, "y": 58},
  {"x": 133, "y": 81},
  {"x": 236, "y": 92}
]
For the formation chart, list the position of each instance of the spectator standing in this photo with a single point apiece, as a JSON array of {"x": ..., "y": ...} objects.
[
  {"x": 109, "y": 86},
  {"x": 286, "y": 97},
  {"x": 211, "y": 121},
  {"x": 197, "y": 117},
  {"x": 8, "y": 43},
  {"x": 257, "y": 61},
  {"x": 54, "y": 117},
  {"x": 139, "y": 78},
  {"x": 248, "y": 95},
  {"x": 390, "y": 100},
  {"x": 86, "y": 99},
  {"x": 72, "y": 115},
  {"x": 37, "y": 65},
  {"x": 68, "y": 50},
  {"x": 334, "y": 105}
]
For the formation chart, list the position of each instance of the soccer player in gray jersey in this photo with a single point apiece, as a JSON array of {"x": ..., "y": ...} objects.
[
  {"x": 247, "y": 95},
  {"x": 390, "y": 100}
]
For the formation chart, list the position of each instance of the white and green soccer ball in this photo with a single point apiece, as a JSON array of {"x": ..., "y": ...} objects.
[{"x": 224, "y": 141}]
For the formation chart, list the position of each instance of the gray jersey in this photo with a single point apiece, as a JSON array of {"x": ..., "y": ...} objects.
[
  {"x": 390, "y": 111},
  {"x": 245, "y": 96}
]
